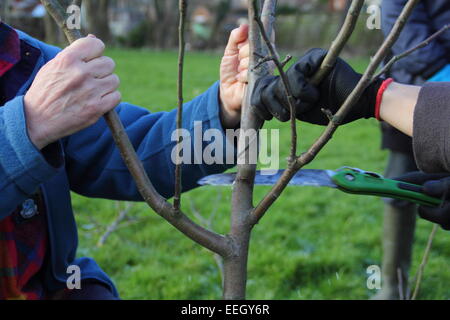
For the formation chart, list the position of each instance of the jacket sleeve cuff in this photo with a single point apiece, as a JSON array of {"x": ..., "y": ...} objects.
[
  {"x": 431, "y": 131},
  {"x": 23, "y": 163}
]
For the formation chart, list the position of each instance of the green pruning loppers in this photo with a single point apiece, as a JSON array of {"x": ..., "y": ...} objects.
[{"x": 349, "y": 180}]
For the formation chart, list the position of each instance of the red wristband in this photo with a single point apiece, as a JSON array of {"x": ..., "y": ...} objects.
[{"x": 380, "y": 93}]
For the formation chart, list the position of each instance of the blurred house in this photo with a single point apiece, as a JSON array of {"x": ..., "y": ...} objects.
[
  {"x": 337, "y": 5},
  {"x": 26, "y": 15},
  {"x": 138, "y": 23},
  {"x": 25, "y": 9},
  {"x": 124, "y": 18}
]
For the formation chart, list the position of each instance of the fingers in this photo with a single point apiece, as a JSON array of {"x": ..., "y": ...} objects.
[
  {"x": 244, "y": 62},
  {"x": 237, "y": 36},
  {"x": 101, "y": 67},
  {"x": 110, "y": 101},
  {"x": 310, "y": 62},
  {"x": 301, "y": 88},
  {"x": 256, "y": 98},
  {"x": 242, "y": 76},
  {"x": 108, "y": 84},
  {"x": 244, "y": 50},
  {"x": 86, "y": 49},
  {"x": 439, "y": 215},
  {"x": 273, "y": 103},
  {"x": 437, "y": 188},
  {"x": 418, "y": 177}
]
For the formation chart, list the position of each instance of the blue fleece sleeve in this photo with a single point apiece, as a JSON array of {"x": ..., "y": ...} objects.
[
  {"x": 426, "y": 61},
  {"x": 94, "y": 165},
  {"x": 22, "y": 166},
  {"x": 442, "y": 75}
]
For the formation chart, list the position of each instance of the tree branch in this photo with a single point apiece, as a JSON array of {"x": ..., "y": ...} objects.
[
  {"x": 208, "y": 223},
  {"x": 273, "y": 55},
  {"x": 59, "y": 15},
  {"x": 421, "y": 45},
  {"x": 235, "y": 266},
  {"x": 77, "y": 3},
  {"x": 208, "y": 239},
  {"x": 400, "y": 284},
  {"x": 362, "y": 85},
  {"x": 335, "y": 49},
  {"x": 424, "y": 261},
  {"x": 341, "y": 40},
  {"x": 181, "y": 46},
  {"x": 115, "y": 224}
]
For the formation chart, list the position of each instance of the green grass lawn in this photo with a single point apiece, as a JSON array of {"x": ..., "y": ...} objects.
[{"x": 312, "y": 244}]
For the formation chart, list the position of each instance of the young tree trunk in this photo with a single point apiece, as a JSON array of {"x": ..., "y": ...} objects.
[
  {"x": 4, "y": 10},
  {"x": 164, "y": 27},
  {"x": 221, "y": 12},
  {"x": 53, "y": 34},
  {"x": 235, "y": 266},
  {"x": 97, "y": 18}
]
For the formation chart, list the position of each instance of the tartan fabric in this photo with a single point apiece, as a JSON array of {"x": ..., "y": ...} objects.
[
  {"x": 9, "y": 48},
  {"x": 23, "y": 243}
]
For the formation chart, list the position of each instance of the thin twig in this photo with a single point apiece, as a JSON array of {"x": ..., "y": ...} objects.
[
  {"x": 59, "y": 15},
  {"x": 115, "y": 224},
  {"x": 290, "y": 98},
  {"x": 421, "y": 45},
  {"x": 181, "y": 46},
  {"x": 235, "y": 266},
  {"x": 424, "y": 262},
  {"x": 393, "y": 36},
  {"x": 400, "y": 284},
  {"x": 335, "y": 49},
  {"x": 208, "y": 223},
  {"x": 208, "y": 239},
  {"x": 77, "y": 3},
  {"x": 261, "y": 61},
  {"x": 341, "y": 40}
]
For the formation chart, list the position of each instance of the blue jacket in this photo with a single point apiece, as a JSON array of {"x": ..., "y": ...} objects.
[
  {"x": 88, "y": 163},
  {"x": 428, "y": 17}
]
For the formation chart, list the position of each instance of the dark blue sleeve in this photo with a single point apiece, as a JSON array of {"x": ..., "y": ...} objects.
[
  {"x": 424, "y": 62},
  {"x": 22, "y": 166},
  {"x": 94, "y": 165}
]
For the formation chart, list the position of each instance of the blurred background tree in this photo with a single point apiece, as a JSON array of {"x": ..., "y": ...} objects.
[
  {"x": 97, "y": 18},
  {"x": 301, "y": 24}
]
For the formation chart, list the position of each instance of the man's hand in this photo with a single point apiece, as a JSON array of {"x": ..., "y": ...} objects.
[
  {"x": 270, "y": 98},
  {"x": 435, "y": 185},
  {"x": 71, "y": 92},
  {"x": 234, "y": 76}
]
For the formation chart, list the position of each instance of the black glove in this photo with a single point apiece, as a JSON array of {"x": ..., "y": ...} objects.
[
  {"x": 435, "y": 185},
  {"x": 270, "y": 99}
]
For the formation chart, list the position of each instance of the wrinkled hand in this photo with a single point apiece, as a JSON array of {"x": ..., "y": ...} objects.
[
  {"x": 234, "y": 76},
  {"x": 71, "y": 92},
  {"x": 271, "y": 101},
  {"x": 434, "y": 185}
]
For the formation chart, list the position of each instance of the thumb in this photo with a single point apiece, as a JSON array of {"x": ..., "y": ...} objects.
[
  {"x": 437, "y": 188},
  {"x": 439, "y": 215},
  {"x": 237, "y": 36},
  {"x": 87, "y": 48}
]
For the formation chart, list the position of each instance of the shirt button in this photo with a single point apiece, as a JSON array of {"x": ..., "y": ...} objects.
[{"x": 29, "y": 209}]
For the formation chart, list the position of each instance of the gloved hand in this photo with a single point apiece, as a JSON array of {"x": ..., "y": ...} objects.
[
  {"x": 435, "y": 185},
  {"x": 270, "y": 99}
]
